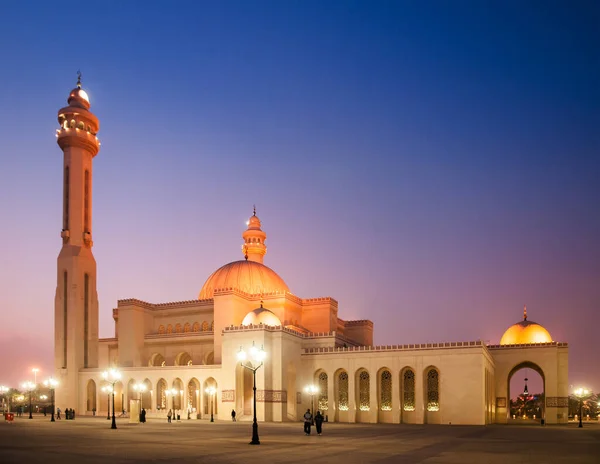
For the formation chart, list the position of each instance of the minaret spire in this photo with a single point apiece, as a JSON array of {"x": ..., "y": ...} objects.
[
  {"x": 78, "y": 79},
  {"x": 525, "y": 312},
  {"x": 254, "y": 247}
]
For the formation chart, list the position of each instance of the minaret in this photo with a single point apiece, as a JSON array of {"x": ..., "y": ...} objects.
[
  {"x": 76, "y": 301},
  {"x": 254, "y": 247}
]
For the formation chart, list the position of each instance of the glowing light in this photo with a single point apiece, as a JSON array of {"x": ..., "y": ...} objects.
[{"x": 83, "y": 94}]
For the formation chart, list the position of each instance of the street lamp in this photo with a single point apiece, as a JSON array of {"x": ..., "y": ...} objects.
[
  {"x": 112, "y": 376},
  {"x": 581, "y": 393},
  {"x": 257, "y": 358},
  {"x": 29, "y": 387},
  {"x": 3, "y": 391},
  {"x": 312, "y": 390},
  {"x": 51, "y": 383},
  {"x": 211, "y": 391}
]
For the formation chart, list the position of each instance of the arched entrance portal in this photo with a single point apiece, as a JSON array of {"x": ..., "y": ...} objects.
[
  {"x": 527, "y": 404},
  {"x": 243, "y": 391}
]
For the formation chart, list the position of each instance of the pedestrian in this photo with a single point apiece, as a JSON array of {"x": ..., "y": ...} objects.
[
  {"x": 44, "y": 411},
  {"x": 58, "y": 413},
  {"x": 93, "y": 411},
  {"x": 169, "y": 414},
  {"x": 72, "y": 414},
  {"x": 319, "y": 422},
  {"x": 67, "y": 414},
  {"x": 143, "y": 416},
  {"x": 307, "y": 421},
  {"x": 233, "y": 415}
]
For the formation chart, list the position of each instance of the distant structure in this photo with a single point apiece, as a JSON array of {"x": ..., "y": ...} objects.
[{"x": 177, "y": 350}]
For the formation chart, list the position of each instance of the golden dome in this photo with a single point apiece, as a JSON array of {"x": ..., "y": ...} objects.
[
  {"x": 261, "y": 316},
  {"x": 247, "y": 276},
  {"x": 524, "y": 332}
]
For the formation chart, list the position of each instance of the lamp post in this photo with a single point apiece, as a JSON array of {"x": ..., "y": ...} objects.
[
  {"x": 3, "y": 391},
  {"x": 581, "y": 393},
  {"x": 312, "y": 390},
  {"x": 29, "y": 387},
  {"x": 112, "y": 376},
  {"x": 256, "y": 360},
  {"x": 51, "y": 383},
  {"x": 211, "y": 391}
]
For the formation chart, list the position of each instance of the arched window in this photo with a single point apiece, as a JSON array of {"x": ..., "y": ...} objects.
[
  {"x": 205, "y": 326},
  {"x": 408, "y": 390},
  {"x": 386, "y": 391},
  {"x": 343, "y": 391},
  {"x": 161, "y": 329},
  {"x": 196, "y": 327},
  {"x": 169, "y": 329},
  {"x": 433, "y": 396},
  {"x": 66, "y": 200},
  {"x": 178, "y": 328},
  {"x": 364, "y": 392},
  {"x": 322, "y": 402}
]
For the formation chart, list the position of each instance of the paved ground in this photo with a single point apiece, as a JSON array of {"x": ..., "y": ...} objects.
[{"x": 90, "y": 440}]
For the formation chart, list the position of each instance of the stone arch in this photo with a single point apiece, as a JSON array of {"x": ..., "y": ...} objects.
[
  {"x": 161, "y": 329},
  {"x": 156, "y": 360},
  {"x": 384, "y": 395},
  {"x": 342, "y": 399},
  {"x": 362, "y": 380},
  {"x": 183, "y": 359},
  {"x": 322, "y": 383},
  {"x": 132, "y": 395},
  {"x": 407, "y": 396},
  {"x": 169, "y": 329},
  {"x": 243, "y": 391},
  {"x": 209, "y": 358},
  {"x": 178, "y": 328},
  {"x": 205, "y": 326},
  {"x": 193, "y": 402},
  {"x": 119, "y": 398},
  {"x": 177, "y": 392},
  {"x": 525, "y": 365},
  {"x": 91, "y": 396},
  {"x": 147, "y": 395},
  {"x": 186, "y": 327},
  {"x": 431, "y": 397},
  {"x": 161, "y": 394},
  {"x": 196, "y": 327},
  {"x": 210, "y": 382}
]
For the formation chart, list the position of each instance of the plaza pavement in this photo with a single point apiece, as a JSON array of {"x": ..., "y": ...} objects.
[{"x": 90, "y": 440}]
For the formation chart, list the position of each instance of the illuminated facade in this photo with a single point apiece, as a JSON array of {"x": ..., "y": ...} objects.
[{"x": 178, "y": 349}]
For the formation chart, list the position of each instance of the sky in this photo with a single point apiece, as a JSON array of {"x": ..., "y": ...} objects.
[{"x": 433, "y": 166}]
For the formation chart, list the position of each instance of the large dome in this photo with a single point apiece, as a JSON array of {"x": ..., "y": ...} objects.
[
  {"x": 247, "y": 276},
  {"x": 525, "y": 332}
]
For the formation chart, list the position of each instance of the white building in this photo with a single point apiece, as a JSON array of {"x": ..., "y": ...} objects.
[{"x": 178, "y": 349}]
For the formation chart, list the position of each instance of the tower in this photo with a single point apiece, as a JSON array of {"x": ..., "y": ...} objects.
[
  {"x": 254, "y": 247},
  {"x": 76, "y": 301}
]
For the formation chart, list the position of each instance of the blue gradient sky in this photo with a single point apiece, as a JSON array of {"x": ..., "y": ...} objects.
[{"x": 432, "y": 165}]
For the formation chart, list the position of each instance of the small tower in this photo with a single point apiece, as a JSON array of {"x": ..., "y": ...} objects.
[
  {"x": 254, "y": 247},
  {"x": 76, "y": 301}
]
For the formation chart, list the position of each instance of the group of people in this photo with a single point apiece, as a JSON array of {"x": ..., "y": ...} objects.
[{"x": 308, "y": 422}]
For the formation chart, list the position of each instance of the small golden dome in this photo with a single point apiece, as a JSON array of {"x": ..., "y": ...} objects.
[
  {"x": 247, "y": 276},
  {"x": 261, "y": 316},
  {"x": 525, "y": 332}
]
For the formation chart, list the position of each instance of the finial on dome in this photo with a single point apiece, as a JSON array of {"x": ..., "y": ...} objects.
[
  {"x": 78, "y": 79},
  {"x": 525, "y": 312},
  {"x": 254, "y": 210}
]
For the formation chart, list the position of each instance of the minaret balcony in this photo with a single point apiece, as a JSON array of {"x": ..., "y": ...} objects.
[{"x": 72, "y": 136}]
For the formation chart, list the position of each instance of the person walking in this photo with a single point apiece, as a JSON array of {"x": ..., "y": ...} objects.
[
  {"x": 143, "y": 416},
  {"x": 319, "y": 422},
  {"x": 58, "y": 413},
  {"x": 233, "y": 415},
  {"x": 169, "y": 414},
  {"x": 307, "y": 421}
]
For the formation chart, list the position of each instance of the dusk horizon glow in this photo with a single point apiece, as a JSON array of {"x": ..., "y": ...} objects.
[{"x": 434, "y": 167}]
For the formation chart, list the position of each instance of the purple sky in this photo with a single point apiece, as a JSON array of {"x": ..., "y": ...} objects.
[{"x": 433, "y": 166}]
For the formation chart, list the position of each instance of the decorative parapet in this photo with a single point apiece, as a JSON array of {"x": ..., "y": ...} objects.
[
  {"x": 227, "y": 396},
  {"x": 360, "y": 322},
  {"x": 528, "y": 345},
  {"x": 417, "y": 346},
  {"x": 323, "y": 299},
  {"x": 179, "y": 335},
  {"x": 160, "y": 306},
  {"x": 279, "y": 328},
  {"x": 557, "y": 401},
  {"x": 256, "y": 296}
]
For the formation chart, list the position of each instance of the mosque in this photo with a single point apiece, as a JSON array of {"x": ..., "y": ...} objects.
[{"x": 169, "y": 355}]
